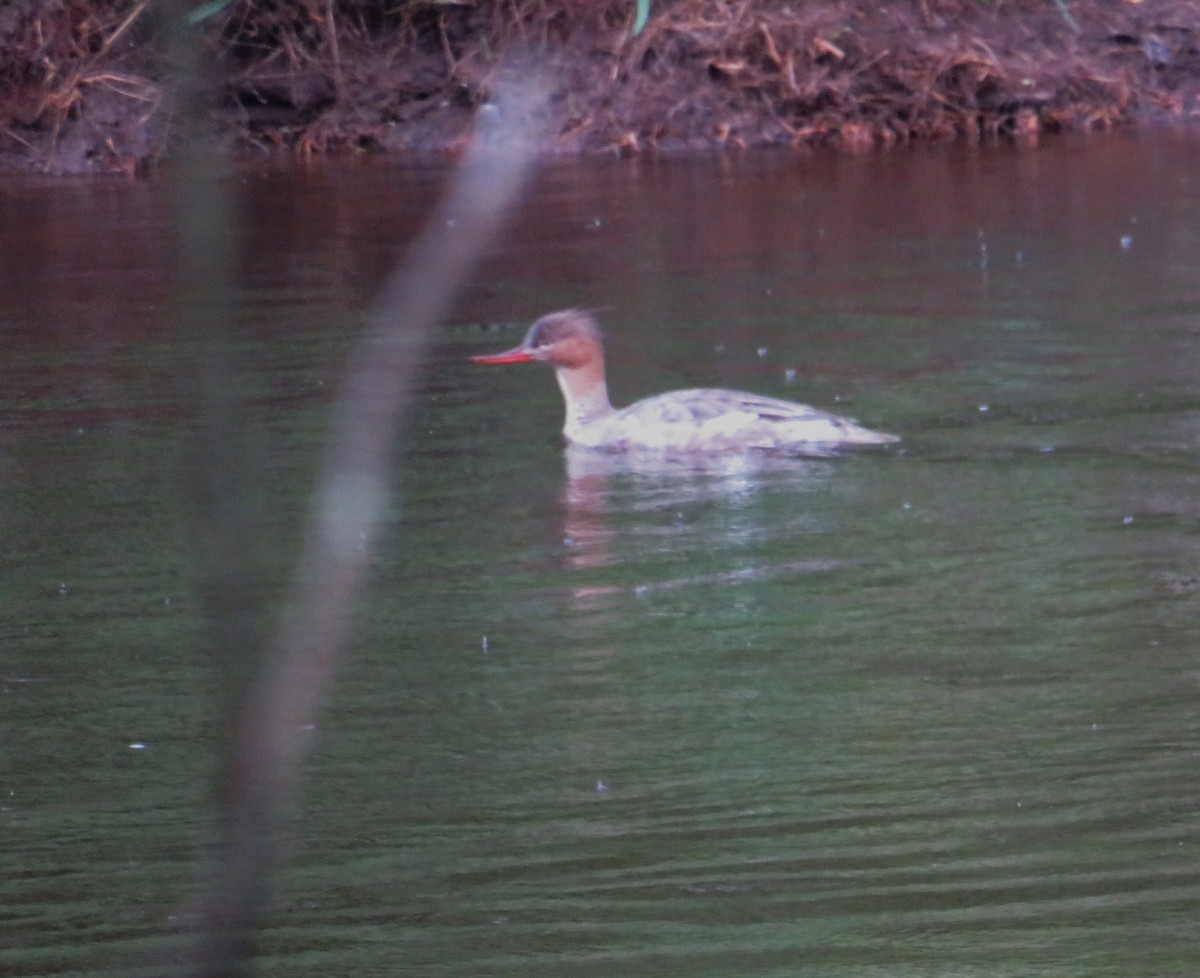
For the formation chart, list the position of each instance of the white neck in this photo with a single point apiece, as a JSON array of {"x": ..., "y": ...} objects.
[{"x": 585, "y": 393}]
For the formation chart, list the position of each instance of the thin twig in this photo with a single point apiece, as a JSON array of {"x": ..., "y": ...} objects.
[
  {"x": 121, "y": 29},
  {"x": 275, "y": 713},
  {"x": 334, "y": 51}
]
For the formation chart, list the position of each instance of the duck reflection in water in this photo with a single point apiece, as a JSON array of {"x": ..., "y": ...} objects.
[{"x": 671, "y": 452}]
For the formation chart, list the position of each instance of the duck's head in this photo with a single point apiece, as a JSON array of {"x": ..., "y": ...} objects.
[{"x": 568, "y": 339}]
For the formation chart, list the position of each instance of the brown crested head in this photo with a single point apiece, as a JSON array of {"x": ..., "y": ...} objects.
[{"x": 568, "y": 338}]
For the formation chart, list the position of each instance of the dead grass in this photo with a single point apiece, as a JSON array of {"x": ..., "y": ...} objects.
[
  {"x": 64, "y": 72},
  {"x": 319, "y": 76}
]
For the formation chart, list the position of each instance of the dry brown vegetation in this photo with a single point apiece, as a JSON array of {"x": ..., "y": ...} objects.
[
  {"x": 76, "y": 89},
  {"x": 83, "y": 86}
]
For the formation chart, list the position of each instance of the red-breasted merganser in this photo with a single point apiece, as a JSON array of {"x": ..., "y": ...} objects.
[{"x": 703, "y": 420}]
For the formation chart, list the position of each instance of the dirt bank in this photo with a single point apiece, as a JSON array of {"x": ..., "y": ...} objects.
[{"x": 84, "y": 86}]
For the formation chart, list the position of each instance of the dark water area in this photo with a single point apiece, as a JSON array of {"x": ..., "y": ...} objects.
[{"x": 920, "y": 712}]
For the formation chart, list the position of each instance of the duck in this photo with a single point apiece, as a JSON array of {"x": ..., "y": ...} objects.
[{"x": 696, "y": 421}]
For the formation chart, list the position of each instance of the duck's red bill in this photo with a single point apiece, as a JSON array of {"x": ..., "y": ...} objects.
[{"x": 517, "y": 355}]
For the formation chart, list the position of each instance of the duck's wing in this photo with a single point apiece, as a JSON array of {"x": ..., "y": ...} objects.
[
  {"x": 751, "y": 419},
  {"x": 701, "y": 405}
]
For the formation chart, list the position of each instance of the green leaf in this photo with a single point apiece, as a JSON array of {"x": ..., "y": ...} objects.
[
  {"x": 207, "y": 10},
  {"x": 643, "y": 12}
]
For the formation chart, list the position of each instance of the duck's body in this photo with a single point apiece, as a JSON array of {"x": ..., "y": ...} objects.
[
  {"x": 715, "y": 420},
  {"x": 689, "y": 421}
]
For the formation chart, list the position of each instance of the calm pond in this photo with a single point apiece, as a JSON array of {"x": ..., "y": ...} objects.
[{"x": 926, "y": 711}]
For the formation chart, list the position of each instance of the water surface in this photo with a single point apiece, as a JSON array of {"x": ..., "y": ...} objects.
[{"x": 921, "y": 712}]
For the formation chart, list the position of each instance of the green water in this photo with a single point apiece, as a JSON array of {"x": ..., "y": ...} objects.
[{"x": 924, "y": 712}]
